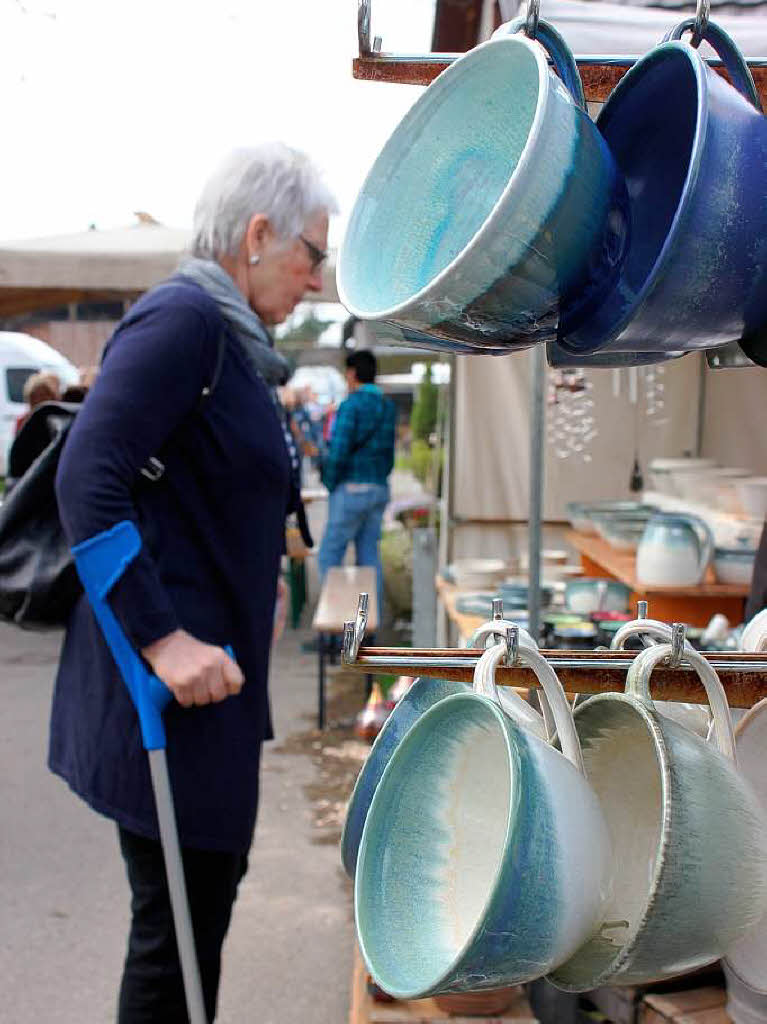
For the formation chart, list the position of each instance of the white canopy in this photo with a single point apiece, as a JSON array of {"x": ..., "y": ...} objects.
[{"x": 122, "y": 262}]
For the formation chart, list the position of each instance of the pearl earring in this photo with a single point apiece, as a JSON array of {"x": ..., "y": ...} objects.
[{"x": 254, "y": 259}]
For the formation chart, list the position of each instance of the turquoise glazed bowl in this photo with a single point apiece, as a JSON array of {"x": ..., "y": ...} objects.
[
  {"x": 495, "y": 205},
  {"x": 484, "y": 857},
  {"x": 422, "y": 695},
  {"x": 687, "y": 830}
]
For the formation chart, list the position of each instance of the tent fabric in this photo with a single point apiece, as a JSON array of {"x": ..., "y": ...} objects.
[
  {"x": 626, "y": 30},
  {"x": 40, "y": 273}
]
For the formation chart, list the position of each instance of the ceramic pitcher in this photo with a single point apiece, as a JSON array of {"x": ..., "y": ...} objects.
[
  {"x": 693, "y": 150},
  {"x": 484, "y": 856},
  {"x": 689, "y": 835},
  {"x": 494, "y": 205},
  {"x": 423, "y": 694},
  {"x": 675, "y": 550}
]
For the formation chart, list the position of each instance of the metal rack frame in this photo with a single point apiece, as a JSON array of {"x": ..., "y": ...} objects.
[
  {"x": 744, "y": 676},
  {"x": 600, "y": 74}
]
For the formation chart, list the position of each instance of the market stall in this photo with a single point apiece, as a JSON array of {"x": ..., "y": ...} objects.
[{"x": 428, "y": 803}]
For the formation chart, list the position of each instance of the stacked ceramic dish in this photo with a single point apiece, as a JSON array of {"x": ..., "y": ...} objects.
[{"x": 623, "y": 519}]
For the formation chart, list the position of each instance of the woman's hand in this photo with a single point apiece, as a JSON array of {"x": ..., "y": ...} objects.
[{"x": 194, "y": 672}]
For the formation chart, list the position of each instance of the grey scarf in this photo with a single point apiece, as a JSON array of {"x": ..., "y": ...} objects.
[{"x": 256, "y": 342}]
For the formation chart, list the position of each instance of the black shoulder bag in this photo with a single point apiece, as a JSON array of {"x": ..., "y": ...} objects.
[{"x": 39, "y": 584}]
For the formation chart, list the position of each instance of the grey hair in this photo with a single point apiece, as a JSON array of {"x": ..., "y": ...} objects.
[{"x": 270, "y": 178}]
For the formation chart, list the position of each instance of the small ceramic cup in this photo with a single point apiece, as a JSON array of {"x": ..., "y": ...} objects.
[
  {"x": 693, "y": 716},
  {"x": 422, "y": 695},
  {"x": 687, "y": 830},
  {"x": 484, "y": 860}
]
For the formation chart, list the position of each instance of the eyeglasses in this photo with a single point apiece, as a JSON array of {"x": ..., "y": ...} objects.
[{"x": 316, "y": 255}]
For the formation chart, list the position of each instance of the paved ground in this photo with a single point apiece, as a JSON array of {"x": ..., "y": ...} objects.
[{"x": 63, "y": 896}]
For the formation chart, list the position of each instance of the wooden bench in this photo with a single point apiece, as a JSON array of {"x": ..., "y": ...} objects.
[{"x": 338, "y": 604}]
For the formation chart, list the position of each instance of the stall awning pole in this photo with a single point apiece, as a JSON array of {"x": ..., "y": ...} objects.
[{"x": 537, "y": 440}]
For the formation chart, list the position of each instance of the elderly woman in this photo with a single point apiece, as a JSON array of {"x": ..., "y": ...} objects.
[{"x": 186, "y": 397}]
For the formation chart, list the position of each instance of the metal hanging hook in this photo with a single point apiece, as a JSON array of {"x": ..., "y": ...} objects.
[
  {"x": 363, "y": 27},
  {"x": 702, "y": 14},
  {"x": 531, "y": 18},
  {"x": 678, "y": 638},
  {"x": 354, "y": 632},
  {"x": 512, "y": 646}
]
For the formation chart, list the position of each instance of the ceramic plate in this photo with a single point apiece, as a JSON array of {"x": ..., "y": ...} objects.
[{"x": 748, "y": 959}]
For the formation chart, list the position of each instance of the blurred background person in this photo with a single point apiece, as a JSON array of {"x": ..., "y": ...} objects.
[{"x": 356, "y": 470}]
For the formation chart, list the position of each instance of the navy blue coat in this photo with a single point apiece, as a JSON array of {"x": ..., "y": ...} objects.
[{"x": 213, "y": 532}]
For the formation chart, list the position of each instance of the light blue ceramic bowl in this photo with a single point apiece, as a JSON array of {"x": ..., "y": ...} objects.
[
  {"x": 494, "y": 204},
  {"x": 484, "y": 855},
  {"x": 588, "y": 594},
  {"x": 422, "y": 695}
]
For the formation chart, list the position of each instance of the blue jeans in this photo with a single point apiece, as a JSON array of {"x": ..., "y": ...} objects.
[{"x": 355, "y": 512}]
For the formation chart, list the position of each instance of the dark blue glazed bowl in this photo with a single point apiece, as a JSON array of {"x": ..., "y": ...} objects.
[{"x": 693, "y": 152}]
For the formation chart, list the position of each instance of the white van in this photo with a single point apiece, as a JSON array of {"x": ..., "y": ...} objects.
[{"x": 20, "y": 356}]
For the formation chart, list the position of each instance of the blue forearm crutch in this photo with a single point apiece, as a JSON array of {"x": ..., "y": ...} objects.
[{"x": 101, "y": 561}]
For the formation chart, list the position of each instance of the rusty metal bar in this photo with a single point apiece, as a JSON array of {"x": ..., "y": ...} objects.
[
  {"x": 600, "y": 75},
  {"x": 744, "y": 676}
]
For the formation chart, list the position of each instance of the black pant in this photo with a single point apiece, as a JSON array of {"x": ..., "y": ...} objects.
[{"x": 152, "y": 990}]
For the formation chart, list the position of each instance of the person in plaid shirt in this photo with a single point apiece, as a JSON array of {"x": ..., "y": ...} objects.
[{"x": 356, "y": 470}]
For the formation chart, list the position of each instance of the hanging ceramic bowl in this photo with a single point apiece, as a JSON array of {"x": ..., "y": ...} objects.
[
  {"x": 484, "y": 856},
  {"x": 688, "y": 834},
  {"x": 494, "y": 205}
]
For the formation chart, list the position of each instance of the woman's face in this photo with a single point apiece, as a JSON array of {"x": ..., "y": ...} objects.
[{"x": 287, "y": 270}]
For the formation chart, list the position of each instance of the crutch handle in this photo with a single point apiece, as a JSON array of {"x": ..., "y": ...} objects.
[{"x": 101, "y": 560}]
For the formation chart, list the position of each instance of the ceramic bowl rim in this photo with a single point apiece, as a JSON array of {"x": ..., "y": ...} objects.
[
  {"x": 649, "y": 715},
  {"x": 366, "y": 770},
  {"x": 417, "y": 298},
  {"x": 513, "y": 760}
]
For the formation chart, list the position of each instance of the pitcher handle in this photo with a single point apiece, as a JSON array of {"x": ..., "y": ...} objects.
[
  {"x": 514, "y": 704},
  {"x": 643, "y": 627},
  {"x": 561, "y": 55},
  {"x": 484, "y": 684},
  {"x": 729, "y": 52},
  {"x": 638, "y": 685},
  {"x": 706, "y": 540}
]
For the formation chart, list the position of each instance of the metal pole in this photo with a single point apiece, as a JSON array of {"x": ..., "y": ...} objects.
[
  {"x": 537, "y": 438},
  {"x": 177, "y": 887}
]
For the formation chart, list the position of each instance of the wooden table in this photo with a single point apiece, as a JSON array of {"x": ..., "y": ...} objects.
[
  {"x": 693, "y": 605},
  {"x": 338, "y": 604},
  {"x": 448, "y": 593}
]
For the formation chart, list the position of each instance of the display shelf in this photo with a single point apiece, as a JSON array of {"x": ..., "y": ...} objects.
[{"x": 694, "y": 605}]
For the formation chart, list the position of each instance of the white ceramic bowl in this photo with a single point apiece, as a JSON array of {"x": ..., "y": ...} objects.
[
  {"x": 734, "y": 566},
  {"x": 662, "y": 473},
  {"x": 479, "y": 573},
  {"x": 752, "y": 494},
  {"x": 703, "y": 485}
]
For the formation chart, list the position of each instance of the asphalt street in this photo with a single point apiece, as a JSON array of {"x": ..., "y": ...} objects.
[{"x": 64, "y": 898}]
